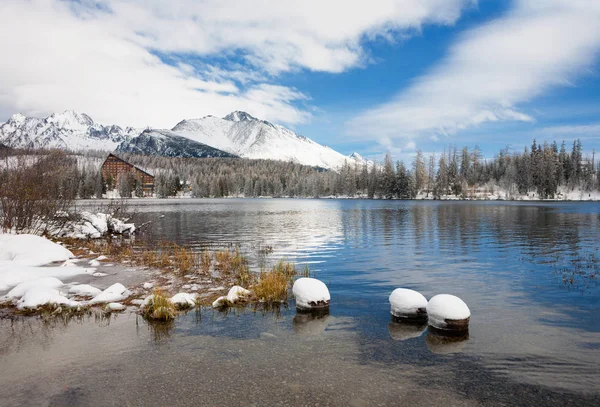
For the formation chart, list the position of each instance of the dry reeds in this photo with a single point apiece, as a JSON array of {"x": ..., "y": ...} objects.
[
  {"x": 273, "y": 285},
  {"x": 159, "y": 307}
]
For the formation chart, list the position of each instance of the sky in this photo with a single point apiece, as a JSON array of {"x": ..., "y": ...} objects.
[{"x": 372, "y": 77}]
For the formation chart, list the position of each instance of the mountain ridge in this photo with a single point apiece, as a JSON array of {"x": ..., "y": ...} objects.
[{"x": 238, "y": 134}]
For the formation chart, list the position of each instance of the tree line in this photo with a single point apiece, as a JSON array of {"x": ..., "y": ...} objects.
[{"x": 541, "y": 171}]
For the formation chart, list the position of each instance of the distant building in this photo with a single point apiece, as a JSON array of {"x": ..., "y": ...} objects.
[{"x": 114, "y": 166}]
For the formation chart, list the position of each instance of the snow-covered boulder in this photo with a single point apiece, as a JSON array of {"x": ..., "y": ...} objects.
[
  {"x": 84, "y": 290},
  {"x": 448, "y": 312},
  {"x": 184, "y": 300},
  {"x": 235, "y": 295},
  {"x": 408, "y": 304},
  {"x": 30, "y": 250},
  {"x": 40, "y": 295},
  {"x": 310, "y": 294},
  {"x": 402, "y": 332},
  {"x": 116, "y": 292}
]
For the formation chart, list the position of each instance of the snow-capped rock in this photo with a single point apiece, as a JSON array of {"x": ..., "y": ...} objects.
[
  {"x": 408, "y": 304},
  {"x": 310, "y": 294},
  {"x": 68, "y": 130},
  {"x": 116, "y": 292},
  {"x": 184, "y": 300},
  {"x": 235, "y": 295},
  {"x": 448, "y": 312}
]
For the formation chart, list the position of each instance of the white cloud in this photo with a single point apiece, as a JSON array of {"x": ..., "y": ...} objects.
[
  {"x": 99, "y": 56},
  {"x": 583, "y": 131},
  {"x": 491, "y": 69}
]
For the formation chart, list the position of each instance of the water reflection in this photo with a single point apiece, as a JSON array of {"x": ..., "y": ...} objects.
[
  {"x": 402, "y": 331},
  {"x": 443, "y": 344},
  {"x": 311, "y": 323}
]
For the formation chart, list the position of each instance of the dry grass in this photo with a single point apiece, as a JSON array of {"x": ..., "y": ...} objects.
[
  {"x": 273, "y": 285},
  {"x": 205, "y": 262},
  {"x": 160, "y": 308},
  {"x": 270, "y": 286}
]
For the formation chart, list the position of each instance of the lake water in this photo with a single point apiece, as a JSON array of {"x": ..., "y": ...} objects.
[{"x": 528, "y": 272}]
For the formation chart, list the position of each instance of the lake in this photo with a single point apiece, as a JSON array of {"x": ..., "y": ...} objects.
[{"x": 529, "y": 273}]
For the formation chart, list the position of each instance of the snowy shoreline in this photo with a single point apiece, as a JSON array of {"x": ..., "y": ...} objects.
[{"x": 38, "y": 276}]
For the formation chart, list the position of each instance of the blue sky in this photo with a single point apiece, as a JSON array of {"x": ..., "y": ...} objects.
[{"x": 371, "y": 77}]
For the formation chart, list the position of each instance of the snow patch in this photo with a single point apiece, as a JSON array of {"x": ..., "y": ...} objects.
[
  {"x": 40, "y": 295},
  {"x": 84, "y": 290},
  {"x": 30, "y": 250},
  {"x": 116, "y": 292}
]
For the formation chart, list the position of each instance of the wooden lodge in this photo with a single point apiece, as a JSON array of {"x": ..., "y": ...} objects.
[{"x": 114, "y": 166}]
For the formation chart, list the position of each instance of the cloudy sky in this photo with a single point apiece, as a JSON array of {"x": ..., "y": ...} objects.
[{"x": 375, "y": 76}]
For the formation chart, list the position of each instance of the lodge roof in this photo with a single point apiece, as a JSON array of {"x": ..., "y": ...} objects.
[{"x": 122, "y": 160}]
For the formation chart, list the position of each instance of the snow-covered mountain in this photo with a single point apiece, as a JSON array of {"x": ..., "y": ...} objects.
[
  {"x": 68, "y": 130},
  {"x": 246, "y": 136},
  {"x": 168, "y": 144},
  {"x": 237, "y": 134}
]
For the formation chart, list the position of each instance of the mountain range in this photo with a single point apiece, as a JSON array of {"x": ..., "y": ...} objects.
[{"x": 236, "y": 135}]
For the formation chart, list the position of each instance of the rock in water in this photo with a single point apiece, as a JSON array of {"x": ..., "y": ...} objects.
[
  {"x": 311, "y": 294},
  {"x": 448, "y": 313},
  {"x": 408, "y": 305}
]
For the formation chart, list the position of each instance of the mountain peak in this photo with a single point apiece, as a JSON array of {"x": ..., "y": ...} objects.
[
  {"x": 239, "y": 116},
  {"x": 70, "y": 119},
  {"x": 17, "y": 118}
]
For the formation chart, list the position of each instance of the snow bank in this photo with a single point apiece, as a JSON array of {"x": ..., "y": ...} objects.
[
  {"x": 407, "y": 303},
  {"x": 448, "y": 312},
  {"x": 39, "y": 296},
  {"x": 310, "y": 293},
  {"x": 30, "y": 250},
  {"x": 235, "y": 294},
  {"x": 84, "y": 290},
  {"x": 184, "y": 300},
  {"x": 116, "y": 292},
  {"x": 12, "y": 275},
  {"x": 22, "y": 288}
]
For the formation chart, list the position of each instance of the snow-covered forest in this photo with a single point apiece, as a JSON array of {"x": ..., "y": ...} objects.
[{"x": 542, "y": 171}]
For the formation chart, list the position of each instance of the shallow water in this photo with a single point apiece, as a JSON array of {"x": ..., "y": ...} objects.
[{"x": 529, "y": 273}]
